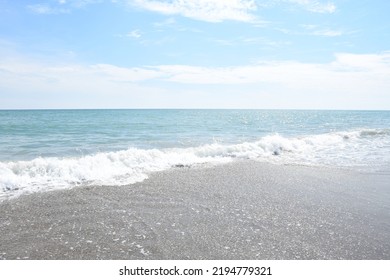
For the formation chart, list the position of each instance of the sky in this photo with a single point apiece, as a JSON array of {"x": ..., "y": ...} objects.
[{"x": 265, "y": 54}]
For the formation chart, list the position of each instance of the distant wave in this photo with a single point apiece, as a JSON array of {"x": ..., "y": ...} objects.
[{"x": 364, "y": 147}]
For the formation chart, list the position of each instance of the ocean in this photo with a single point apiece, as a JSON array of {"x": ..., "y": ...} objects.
[{"x": 52, "y": 149}]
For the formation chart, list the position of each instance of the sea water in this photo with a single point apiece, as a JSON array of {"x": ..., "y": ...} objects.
[{"x": 51, "y": 149}]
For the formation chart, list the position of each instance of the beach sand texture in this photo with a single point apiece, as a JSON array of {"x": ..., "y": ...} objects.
[{"x": 240, "y": 210}]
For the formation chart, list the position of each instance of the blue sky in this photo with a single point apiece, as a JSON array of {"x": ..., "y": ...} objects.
[{"x": 273, "y": 54}]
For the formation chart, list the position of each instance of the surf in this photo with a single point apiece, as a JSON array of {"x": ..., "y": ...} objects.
[{"x": 363, "y": 147}]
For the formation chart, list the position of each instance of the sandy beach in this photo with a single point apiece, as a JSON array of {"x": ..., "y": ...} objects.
[{"x": 241, "y": 210}]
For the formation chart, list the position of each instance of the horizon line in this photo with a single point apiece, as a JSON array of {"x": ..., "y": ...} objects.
[{"x": 153, "y": 108}]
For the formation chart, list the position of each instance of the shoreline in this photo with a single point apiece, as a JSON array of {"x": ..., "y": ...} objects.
[{"x": 239, "y": 210}]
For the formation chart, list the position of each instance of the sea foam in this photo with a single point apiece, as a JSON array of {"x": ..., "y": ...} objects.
[{"x": 358, "y": 148}]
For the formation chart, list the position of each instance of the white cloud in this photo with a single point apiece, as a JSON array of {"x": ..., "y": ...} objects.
[
  {"x": 28, "y": 83},
  {"x": 82, "y": 3},
  {"x": 328, "y": 33},
  {"x": 262, "y": 42},
  {"x": 134, "y": 34},
  {"x": 315, "y": 6},
  {"x": 45, "y": 9},
  {"x": 42, "y": 73},
  {"x": 206, "y": 10},
  {"x": 320, "y": 31},
  {"x": 350, "y": 81},
  {"x": 345, "y": 66},
  {"x": 376, "y": 64},
  {"x": 60, "y": 6},
  {"x": 121, "y": 74},
  {"x": 351, "y": 70},
  {"x": 167, "y": 22}
]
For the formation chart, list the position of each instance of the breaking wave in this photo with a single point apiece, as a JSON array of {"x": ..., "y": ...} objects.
[{"x": 359, "y": 148}]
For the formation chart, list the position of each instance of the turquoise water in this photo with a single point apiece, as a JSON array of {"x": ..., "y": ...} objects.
[
  {"x": 45, "y": 133},
  {"x": 45, "y": 149}
]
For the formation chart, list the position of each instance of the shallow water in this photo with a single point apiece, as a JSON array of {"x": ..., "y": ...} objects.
[{"x": 46, "y": 149}]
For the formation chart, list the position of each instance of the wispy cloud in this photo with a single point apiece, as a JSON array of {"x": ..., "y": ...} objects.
[
  {"x": 167, "y": 22},
  {"x": 315, "y": 6},
  {"x": 134, "y": 34},
  {"x": 122, "y": 74},
  {"x": 315, "y": 30},
  {"x": 321, "y": 31},
  {"x": 327, "y": 33},
  {"x": 145, "y": 40},
  {"x": 46, "y": 9},
  {"x": 59, "y": 6},
  {"x": 205, "y": 10},
  {"x": 345, "y": 69},
  {"x": 355, "y": 79},
  {"x": 171, "y": 23},
  {"x": 259, "y": 41},
  {"x": 353, "y": 68},
  {"x": 82, "y": 3}
]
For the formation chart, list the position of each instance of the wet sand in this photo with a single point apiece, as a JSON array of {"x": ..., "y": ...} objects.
[{"x": 242, "y": 210}]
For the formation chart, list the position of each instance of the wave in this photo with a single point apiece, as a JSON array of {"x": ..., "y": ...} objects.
[{"x": 353, "y": 148}]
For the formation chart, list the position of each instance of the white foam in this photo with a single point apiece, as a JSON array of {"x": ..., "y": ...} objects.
[
  {"x": 113, "y": 168},
  {"x": 355, "y": 148}
]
